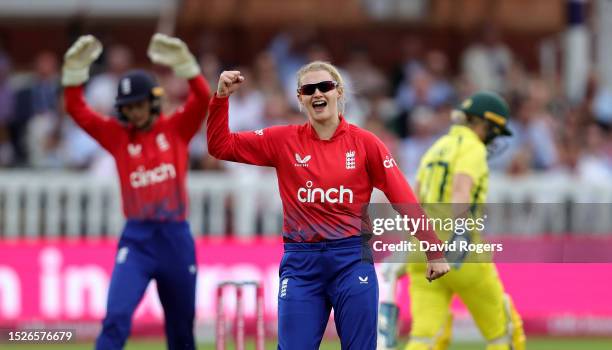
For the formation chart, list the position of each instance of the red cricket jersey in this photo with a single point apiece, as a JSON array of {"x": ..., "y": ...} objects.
[
  {"x": 325, "y": 185},
  {"x": 152, "y": 164}
]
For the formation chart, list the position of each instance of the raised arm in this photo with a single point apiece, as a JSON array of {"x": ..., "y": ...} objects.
[
  {"x": 174, "y": 53},
  {"x": 252, "y": 147},
  {"x": 75, "y": 72},
  {"x": 387, "y": 177}
]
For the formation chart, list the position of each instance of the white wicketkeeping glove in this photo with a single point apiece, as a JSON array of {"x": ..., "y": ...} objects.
[
  {"x": 173, "y": 52},
  {"x": 78, "y": 58}
]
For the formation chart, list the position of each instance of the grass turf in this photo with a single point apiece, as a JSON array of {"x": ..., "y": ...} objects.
[{"x": 532, "y": 344}]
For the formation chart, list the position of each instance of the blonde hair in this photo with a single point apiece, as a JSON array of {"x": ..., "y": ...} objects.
[
  {"x": 332, "y": 70},
  {"x": 458, "y": 117}
]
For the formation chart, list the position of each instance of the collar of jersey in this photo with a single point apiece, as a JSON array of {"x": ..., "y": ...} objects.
[
  {"x": 341, "y": 129},
  {"x": 464, "y": 131}
]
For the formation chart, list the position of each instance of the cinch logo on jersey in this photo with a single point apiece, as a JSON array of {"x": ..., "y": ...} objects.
[
  {"x": 319, "y": 195},
  {"x": 142, "y": 177},
  {"x": 389, "y": 162}
]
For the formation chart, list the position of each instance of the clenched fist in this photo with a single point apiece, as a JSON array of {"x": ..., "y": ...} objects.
[
  {"x": 436, "y": 269},
  {"x": 229, "y": 81}
]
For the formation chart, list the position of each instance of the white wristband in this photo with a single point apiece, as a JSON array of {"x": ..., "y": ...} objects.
[
  {"x": 74, "y": 77},
  {"x": 187, "y": 69}
]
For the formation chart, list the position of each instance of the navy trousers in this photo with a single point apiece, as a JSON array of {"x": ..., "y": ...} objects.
[
  {"x": 152, "y": 250},
  {"x": 316, "y": 277}
]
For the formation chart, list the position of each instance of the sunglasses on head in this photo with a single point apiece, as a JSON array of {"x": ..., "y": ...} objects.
[{"x": 323, "y": 86}]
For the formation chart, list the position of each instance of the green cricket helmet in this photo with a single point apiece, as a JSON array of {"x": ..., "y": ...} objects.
[{"x": 489, "y": 106}]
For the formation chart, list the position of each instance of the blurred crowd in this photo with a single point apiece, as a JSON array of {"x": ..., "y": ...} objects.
[{"x": 407, "y": 106}]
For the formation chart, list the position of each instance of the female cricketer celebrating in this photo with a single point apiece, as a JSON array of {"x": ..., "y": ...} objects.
[
  {"x": 326, "y": 170},
  {"x": 150, "y": 151}
]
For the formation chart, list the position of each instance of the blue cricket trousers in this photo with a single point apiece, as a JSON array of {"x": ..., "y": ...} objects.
[
  {"x": 147, "y": 250},
  {"x": 316, "y": 277}
]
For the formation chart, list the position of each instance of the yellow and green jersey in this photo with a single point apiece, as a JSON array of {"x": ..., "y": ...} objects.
[{"x": 458, "y": 152}]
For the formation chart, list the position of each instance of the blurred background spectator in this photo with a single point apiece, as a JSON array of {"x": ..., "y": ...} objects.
[
  {"x": 6, "y": 111},
  {"x": 404, "y": 86}
]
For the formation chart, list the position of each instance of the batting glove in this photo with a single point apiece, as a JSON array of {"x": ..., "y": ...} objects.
[
  {"x": 78, "y": 58},
  {"x": 173, "y": 52}
]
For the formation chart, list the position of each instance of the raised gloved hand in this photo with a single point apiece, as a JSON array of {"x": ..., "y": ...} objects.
[
  {"x": 78, "y": 58},
  {"x": 173, "y": 52}
]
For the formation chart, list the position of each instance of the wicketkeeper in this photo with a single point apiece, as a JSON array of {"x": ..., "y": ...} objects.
[{"x": 150, "y": 151}]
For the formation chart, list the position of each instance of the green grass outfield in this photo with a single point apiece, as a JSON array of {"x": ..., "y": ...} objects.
[{"x": 532, "y": 344}]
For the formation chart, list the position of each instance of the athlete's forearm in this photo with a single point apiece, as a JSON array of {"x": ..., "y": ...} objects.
[
  {"x": 191, "y": 117},
  {"x": 411, "y": 207},
  {"x": 249, "y": 147},
  {"x": 218, "y": 135},
  {"x": 83, "y": 115},
  {"x": 200, "y": 89},
  {"x": 428, "y": 235},
  {"x": 460, "y": 199},
  {"x": 74, "y": 103},
  {"x": 387, "y": 177}
]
